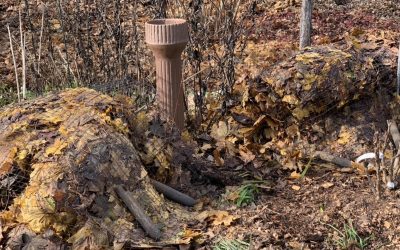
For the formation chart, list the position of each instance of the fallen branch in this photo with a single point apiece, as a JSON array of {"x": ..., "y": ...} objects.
[
  {"x": 139, "y": 213},
  {"x": 342, "y": 162},
  {"x": 339, "y": 161}
]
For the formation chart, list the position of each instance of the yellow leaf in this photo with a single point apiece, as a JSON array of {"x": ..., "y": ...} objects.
[
  {"x": 308, "y": 57},
  {"x": 344, "y": 137},
  {"x": 188, "y": 234},
  {"x": 291, "y": 99},
  {"x": 295, "y": 187},
  {"x": 309, "y": 79},
  {"x": 295, "y": 175},
  {"x": 56, "y": 148}
]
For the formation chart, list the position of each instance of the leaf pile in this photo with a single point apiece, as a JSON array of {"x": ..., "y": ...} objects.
[
  {"x": 280, "y": 109},
  {"x": 70, "y": 150}
]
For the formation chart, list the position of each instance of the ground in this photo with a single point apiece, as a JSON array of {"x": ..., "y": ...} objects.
[{"x": 307, "y": 207}]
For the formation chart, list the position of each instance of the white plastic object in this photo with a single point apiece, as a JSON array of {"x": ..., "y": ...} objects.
[{"x": 367, "y": 156}]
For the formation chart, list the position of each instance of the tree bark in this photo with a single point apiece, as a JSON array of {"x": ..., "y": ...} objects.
[{"x": 305, "y": 23}]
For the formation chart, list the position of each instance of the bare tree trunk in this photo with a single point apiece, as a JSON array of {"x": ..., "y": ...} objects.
[
  {"x": 398, "y": 72},
  {"x": 305, "y": 23}
]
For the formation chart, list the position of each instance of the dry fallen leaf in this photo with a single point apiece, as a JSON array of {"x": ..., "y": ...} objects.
[
  {"x": 219, "y": 131},
  {"x": 295, "y": 187},
  {"x": 295, "y": 175},
  {"x": 56, "y": 148},
  {"x": 344, "y": 137},
  {"x": 327, "y": 184},
  {"x": 217, "y": 217}
]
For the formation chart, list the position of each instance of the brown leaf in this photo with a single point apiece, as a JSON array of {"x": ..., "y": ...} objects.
[
  {"x": 216, "y": 217},
  {"x": 327, "y": 185}
]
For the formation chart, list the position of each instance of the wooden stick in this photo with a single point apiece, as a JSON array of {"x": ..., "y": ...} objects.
[
  {"x": 342, "y": 162},
  {"x": 173, "y": 194},
  {"x": 305, "y": 23},
  {"x": 15, "y": 64},
  {"x": 139, "y": 213}
]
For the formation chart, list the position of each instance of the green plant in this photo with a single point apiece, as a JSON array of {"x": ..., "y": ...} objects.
[
  {"x": 306, "y": 168},
  {"x": 349, "y": 237},
  {"x": 231, "y": 245},
  {"x": 247, "y": 193}
]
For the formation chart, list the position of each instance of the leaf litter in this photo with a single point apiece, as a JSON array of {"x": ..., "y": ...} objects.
[{"x": 283, "y": 113}]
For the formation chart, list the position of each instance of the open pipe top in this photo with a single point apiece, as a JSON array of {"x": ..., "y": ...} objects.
[
  {"x": 168, "y": 21},
  {"x": 167, "y": 31}
]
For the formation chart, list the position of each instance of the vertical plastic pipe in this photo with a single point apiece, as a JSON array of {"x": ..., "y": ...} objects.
[{"x": 167, "y": 39}]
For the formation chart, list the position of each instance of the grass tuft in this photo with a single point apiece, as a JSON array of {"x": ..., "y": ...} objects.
[
  {"x": 349, "y": 238},
  {"x": 247, "y": 193},
  {"x": 231, "y": 245}
]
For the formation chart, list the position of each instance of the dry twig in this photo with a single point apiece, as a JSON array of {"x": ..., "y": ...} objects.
[{"x": 15, "y": 64}]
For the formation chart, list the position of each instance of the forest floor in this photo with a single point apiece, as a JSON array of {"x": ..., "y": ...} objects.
[{"x": 315, "y": 207}]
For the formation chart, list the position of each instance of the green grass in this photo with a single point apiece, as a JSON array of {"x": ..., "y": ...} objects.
[
  {"x": 350, "y": 238},
  {"x": 7, "y": 95},
  {"x": 231, "y": 245},
  {"x": 248, "y": 192}
]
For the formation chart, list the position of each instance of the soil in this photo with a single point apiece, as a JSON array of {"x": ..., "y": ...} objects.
[{"x": 302, "y": 213}]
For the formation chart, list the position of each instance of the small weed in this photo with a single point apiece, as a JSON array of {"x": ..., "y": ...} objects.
[
  {"x": 349, "y": 237},
  {"x": 306, "y": 168},
  {"x": 231, "y": 245},
  {"x": 248, "y": 193}
]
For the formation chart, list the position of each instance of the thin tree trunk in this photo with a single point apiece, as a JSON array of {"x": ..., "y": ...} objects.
[
  {"x": 305, "y": 23},
  {"x": 398, "y": 72}
]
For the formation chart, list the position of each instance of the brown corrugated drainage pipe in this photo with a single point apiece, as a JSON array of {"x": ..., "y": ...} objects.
[{"x": 167, "y": 38}]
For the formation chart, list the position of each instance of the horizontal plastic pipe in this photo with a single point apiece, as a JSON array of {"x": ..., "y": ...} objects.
[
  {"x": 140, "y": 215},
  {"x": 173, "y": 194}
]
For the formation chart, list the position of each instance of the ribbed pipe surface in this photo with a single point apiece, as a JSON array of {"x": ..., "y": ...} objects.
[
  {"x": 166, "y": 31},
  {"x": 169, "y": 89},
  {"x": 167, "y": 39}
]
